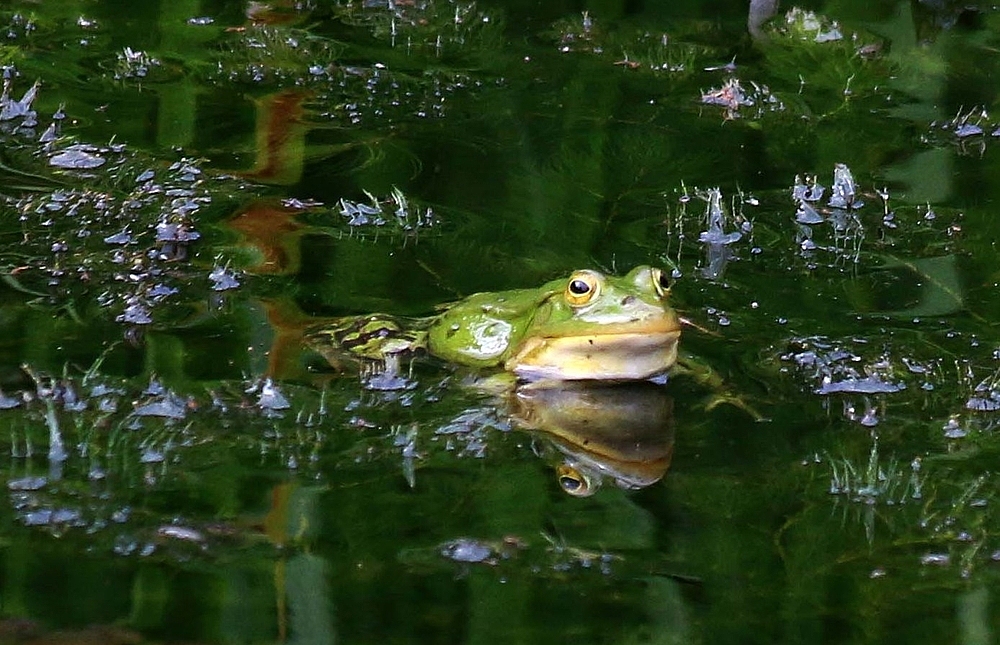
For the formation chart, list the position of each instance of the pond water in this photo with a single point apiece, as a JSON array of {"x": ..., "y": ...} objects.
[{"x": 188, "y": 190}]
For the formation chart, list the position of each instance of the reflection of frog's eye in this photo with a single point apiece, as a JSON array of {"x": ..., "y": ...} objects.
[
  {"x": 661, "y": 282},
  {"x": 583, "y": 286},
  {"x": 573, "y": 482}
]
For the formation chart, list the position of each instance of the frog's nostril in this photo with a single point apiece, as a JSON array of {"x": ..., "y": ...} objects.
[{"x": 627, "y": 300}]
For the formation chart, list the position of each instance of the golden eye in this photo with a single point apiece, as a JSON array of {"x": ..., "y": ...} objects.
[
  {"x": 583, "y": 286},
  {"x": 573, "y": 482},
  {"x": 661, "y": 282}
]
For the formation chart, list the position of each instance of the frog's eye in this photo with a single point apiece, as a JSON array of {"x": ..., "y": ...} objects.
[
  {"x": 573, "y": 482},
  {"x": 583, "y": 286},
  {"x": 661, "y": 282}
]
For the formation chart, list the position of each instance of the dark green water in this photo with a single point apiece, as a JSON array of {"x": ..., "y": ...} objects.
[{"x": 219, "y": 175}]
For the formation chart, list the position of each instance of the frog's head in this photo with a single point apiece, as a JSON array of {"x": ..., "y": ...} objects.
[{"x": 597, "y": 327}]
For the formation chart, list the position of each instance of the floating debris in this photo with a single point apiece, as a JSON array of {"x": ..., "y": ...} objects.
[
  {"x": 132, "y": 63},
  {"x": 807, "y": 25},
  {"x": 844, "y": 191},
  {"x": 11, "y": 109},
  {"x": 935, "y": 559},
  {"x": 120, "y": 238},
  {"x": 78, "y": 157},
  {"x": 869, "y": 385},
  {"x": 807, "y": 189},
  {"x": 986, "y": 395},
  {"x": 715, "y": 216},
  {"x": 733, "y": 96},
  {"x": 136, "y": 312},
  {"x": 467, "y": 550},
  {"x": 953, "y": 429},
  {"x": 170, "y": 406},
  {"x": 8, "y": 402},
  {"x": 969, "y": 131},
  {"x": 51, "y": 517},
  {"x": 176, "y": 232},
  {"x": 27, "y": 483},
  {"x": 223, "y": 279},
  {"x": 730, "y": 96},
  {"x": 989, "y": 403},
  {"x": 846, "y": 229},
  {"x": 271, "y": 397},
  {"x": 183, "y": 533},
  {"x": 807, "y": 214},
  {"x": 394, "y": 211}
]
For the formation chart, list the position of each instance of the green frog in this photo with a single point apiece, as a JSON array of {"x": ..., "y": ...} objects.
[{"x": 586, "y": 327}]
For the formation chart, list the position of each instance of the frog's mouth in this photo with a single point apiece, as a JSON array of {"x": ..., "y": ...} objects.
[{"x": 608, "y": 355}]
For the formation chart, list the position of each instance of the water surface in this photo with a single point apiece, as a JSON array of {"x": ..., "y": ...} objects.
[{"x": 191, "y": 185}]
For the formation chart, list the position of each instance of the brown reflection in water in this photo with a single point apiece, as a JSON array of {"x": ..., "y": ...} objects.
[{"x": 618, "y": 432}]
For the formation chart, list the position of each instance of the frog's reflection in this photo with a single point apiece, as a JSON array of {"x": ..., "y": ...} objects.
[{"x": 618, "y": 432}]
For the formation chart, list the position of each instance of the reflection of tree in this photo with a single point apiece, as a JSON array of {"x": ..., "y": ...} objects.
[{"x": 760, "y": 12}]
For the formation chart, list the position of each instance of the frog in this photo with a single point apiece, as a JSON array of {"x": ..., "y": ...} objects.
[{"x": 586, "y": 327}]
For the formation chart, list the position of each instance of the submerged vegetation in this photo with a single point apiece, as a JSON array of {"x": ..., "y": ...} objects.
[{"x": 180, "y": 204}]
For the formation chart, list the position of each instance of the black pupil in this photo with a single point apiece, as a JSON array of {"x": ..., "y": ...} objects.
[
  {"x": 663, "y": 280},
  {"x": 578, "y": 287},
  {"x": 570, "y": 484}
]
